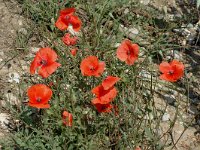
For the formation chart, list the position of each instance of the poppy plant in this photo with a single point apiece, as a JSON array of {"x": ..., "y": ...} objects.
[
  {"x": 91, "y": 66},
  {"x": 45, "y": 62},
  {"x": 67, "y": 18},
  {"x": 67, "y": 118},
  {"x": 68, "y": 40},
  {"x": 39, "y": 96},
  {"x": 171, "y": 71},
  {"x": 128, "y": 52},
  {"x": 73, "y": 51}
]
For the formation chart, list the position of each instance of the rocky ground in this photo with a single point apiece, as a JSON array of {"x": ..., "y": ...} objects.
[{"x": 14, "y": 67}]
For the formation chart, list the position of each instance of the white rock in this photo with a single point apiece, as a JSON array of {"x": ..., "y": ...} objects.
[
  {"x": 145, "y": 74},
  {"x": 23, "y": 31},
  {"x": 34, "y": 49},
  {"x": 10, "y": 98},
  {"x": 126, "y": 11},
  {"x": 145, "y": 2},
  {"x": 117, "y": 45},
  {"x": 20, "y": 22},
  {"x": 134, "y": 31},
  {"x": 71, "y": 30},
  {"x": 4, "y": 120},
  {"x": 165, "y": 117},
  {"x": 13, "y": 77}
]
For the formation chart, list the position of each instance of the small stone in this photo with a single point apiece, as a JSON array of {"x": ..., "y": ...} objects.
[
  {"x": 126, "y": 11},
  {"x": 71, "y": 31},
  {"x": 42, "y": 44},
  {"x": 4, "y": 120},
  {"x": 23, "y": 31},
  {"x": 190, "y": 25},
  {"x": 13, "y": 77},
  {"x": 178, "y": 16},
  {"x": 134, "y": 31},
  {"x": 20, "y": 22},
  {"x": 184, "y": 42},
  {"x": 11, "y": 99},
  {"x": 117, "y": 45},
  {"x": 34, "y": 49},
  {"x": 145, "y": 2},
  {"x": 170, "y": 99},
  {"x": 165, "y": 117},
  {"x": 145, "y": 74},
  {"x": 193, "y": 109}
]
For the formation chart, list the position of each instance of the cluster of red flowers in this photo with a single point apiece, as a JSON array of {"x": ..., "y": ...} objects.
[
  {"x": 105, "y": 93},
  {"x": 45, "y": 63}
]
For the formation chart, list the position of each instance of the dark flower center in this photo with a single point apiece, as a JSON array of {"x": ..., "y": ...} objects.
[
  {"x": 128, "y": 53},
  {"x": 38, "y": 99},
  {"x": 91, "y": 68},
  {"x": 67, "y": 18},
  {"x": 43, "y": 62},
  {"x": 171, "y": 72}
]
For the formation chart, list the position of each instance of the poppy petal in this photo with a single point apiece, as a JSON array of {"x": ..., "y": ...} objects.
[
  {"x": 67, "y": 11},
  {"x": 46, "y": 71},
  {"x": 73, "y": 52},
  {"x": 60, "y": 24},
  {"x": 103, "y": 108},
  {"x": 39, "y": 105},
  {"x": 96, "y": 101},
  {"x": 122, "y": 52},
  {"x": 109, "y": 82},
  {"x": 101, "y": 68},
  {"x": 131, "y": 60},
  {"x": 48, "y": 54},
  {"x": 75, "y": 22},
  {"x": 164, "y": 67},
  {"x": 108, "y": 97},
  {"x": 167, "y": 77},
  {"x": 34, "y": 65},
  {"x": 96, "y": 90}
]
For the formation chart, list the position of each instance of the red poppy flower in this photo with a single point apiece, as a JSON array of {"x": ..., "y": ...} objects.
[
  {"x": 103, "y": 96},
  {"x": 67, "y": 118},
  {"x": 128, "y": 52},
  {"x": 91, "y": 66},
  {"x": 39, "y": 95},
  {"x": 69, "y": 40},
  {"x": 109, "y": 82},
  {"x": 73, "y": 51},
  {"x": 103, "y": 108},
  {"x": 171, "y": 71},
  {"x": 45, "y": 62},
  {"x": 67, "y": 18}
]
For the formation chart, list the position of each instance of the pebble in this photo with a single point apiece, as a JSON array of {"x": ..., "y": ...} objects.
[
  {"x": 4, "y": 120},
  {"x": 126, "y": 11},
  {"x": 13, "y": 77},
  {"x": 23, "y": 31},
  {"x": 34, "y": 49},
  {"x": 193, "y": 109},
  {"x": 131, "y": 32},
  {"x": 117, "y": 44},
  {"x": 165, "y": 117},
  {"x": 11, "y": 99},
  {"x": 71, "y": 31},
  {"x": 170, "y": 99},
  {"x": 145, "y": 2}
]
